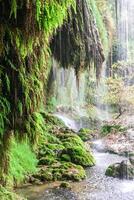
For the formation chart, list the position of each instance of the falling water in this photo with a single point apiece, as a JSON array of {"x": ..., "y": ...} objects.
[
  {"x": 70, "y": 99},
  {"x": 101, "y": 91},
  {"x": 125, "y": 29}
]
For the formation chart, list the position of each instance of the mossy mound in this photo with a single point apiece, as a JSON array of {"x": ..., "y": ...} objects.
[
  {"x": 60, "y": 171},
  {"x": 62, "y": 154},
  {"x": 75, "y": 151},
  {"x": 52, "y": 120},
  {"x": 85, "y": 134},
  {"x": 49, "y": 153}
]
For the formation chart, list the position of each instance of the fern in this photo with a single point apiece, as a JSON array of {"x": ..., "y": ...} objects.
[{"x": 22, "y": 161}]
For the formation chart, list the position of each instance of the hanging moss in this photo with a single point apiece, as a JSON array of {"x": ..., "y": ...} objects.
[
  {"x": 77, "y": 42},
  {"x": 25, "y": 30}
]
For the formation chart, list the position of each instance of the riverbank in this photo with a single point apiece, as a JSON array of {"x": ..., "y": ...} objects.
[{"x": 96, "y": 186}]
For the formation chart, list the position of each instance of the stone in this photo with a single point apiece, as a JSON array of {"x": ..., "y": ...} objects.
[
  {"x": 123, "y": 170},
  {"x": 131, "y": 159},
  {"x": 65, "y": 185}
]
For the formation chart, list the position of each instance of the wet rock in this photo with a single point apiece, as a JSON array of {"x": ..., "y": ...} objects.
[
  {"x": 123, "y": 170},
  {"x": 65, "y": 185},
  {"x": 119, "y": 143},
  {"x": 62, "y": 154},
  {"x": 131, "y": 158},
  {"x": 60, "y": 171},
  {"x": 86, "y": 134}
]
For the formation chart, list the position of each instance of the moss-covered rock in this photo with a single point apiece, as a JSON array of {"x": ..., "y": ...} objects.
[
  {"x": 80, "y": 156},
  {"x": 60, "y": 171},
  {"x": 123, "y": 170},
  {"x": 75, "y": 148},
  {"x": 62, "y": 155},
  {"x": 47, "y": 160},
  {"x": 85, "y": 134},
  {"x": 113, "y": 170},
  {"x": 65, "y": 185}
]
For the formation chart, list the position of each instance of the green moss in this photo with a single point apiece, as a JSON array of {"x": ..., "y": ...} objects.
[
  {"x": 85, "y": 134},
  {"x": 107, "y": 128},
  {"x": 4, "y": 112},
  {"x": 61, "y": 171},
  {"x": 13, "y": 8},
  {"x": 74, "y": 172},
  {"x": 47, "y": 160},
  {"x": 66, "y": 157},
  {"x": 22, "y": 162},
  {"x": 80, "y": 156},
  {"x": 100, "y": 25},
  {"x": 65, "y": 185},
  {"x": 74, "y": 147},
  {"x": 8, "y": 195},
  {"x": 61, "y": 153},
  {"x": 109, "y": 172},
  {"x": 52, "y": 120},
  {"x": 113, "y": 170}
]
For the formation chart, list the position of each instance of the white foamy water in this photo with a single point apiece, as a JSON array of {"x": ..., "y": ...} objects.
[{"x": 70, "y": 123}]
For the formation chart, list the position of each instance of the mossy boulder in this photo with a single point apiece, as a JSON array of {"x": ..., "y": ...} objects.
[
  {"x": 62, "y": 155},
  {"x": 47, "y": 160},
  {"x": 75, "y": 148},
  {"x": 49, "y": 153},
  {"x": 113, "y": 170},
  {"x": 81, "y": 157},
  {"x": 60, "y": 171},
  {"x": 123, "y": 170},
  {"x": 43, "y": 175},
  {"x": 85, "y": 134}
]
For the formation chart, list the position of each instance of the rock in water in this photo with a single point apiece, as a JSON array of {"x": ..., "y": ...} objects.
[
  {"x": 132, "y": 160},
  {"x": 123, "y": 170}
]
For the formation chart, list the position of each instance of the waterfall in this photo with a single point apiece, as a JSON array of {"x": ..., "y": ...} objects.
[
  {"x": 66, "y": 92},
  {"x": 101, "y": 91},
  {"x": 125, "y": 29}
]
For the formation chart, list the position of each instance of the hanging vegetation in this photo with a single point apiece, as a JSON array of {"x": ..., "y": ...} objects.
[
  {"x": 77, "y": 42},
  {"x": 26, "y": 29}
]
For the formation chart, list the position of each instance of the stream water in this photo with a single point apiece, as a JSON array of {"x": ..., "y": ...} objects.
[{"x": 95, "y": 187}]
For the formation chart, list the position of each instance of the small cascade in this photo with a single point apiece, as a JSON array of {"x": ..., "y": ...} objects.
[{"x": 70, "y": 123}]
